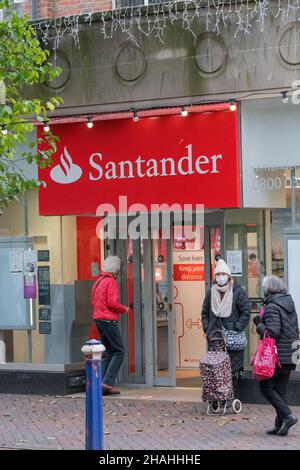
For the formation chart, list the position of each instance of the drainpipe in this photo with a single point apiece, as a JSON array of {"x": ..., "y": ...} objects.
[{"x": 33, "y": 9}]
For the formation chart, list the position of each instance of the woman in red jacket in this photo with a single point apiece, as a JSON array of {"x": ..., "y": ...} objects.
[{"x": 105, "y": 300}]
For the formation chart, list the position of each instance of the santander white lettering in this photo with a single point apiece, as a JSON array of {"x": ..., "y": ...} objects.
[
  {"x": 140, "y": 168},
  {"x": 189, "y": 160},
  {"x": 97, "y": 167}
]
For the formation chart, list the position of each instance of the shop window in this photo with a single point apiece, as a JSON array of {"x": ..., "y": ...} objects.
[
  {"x": 280, "y": 219},
  {"x": 49, "y": 265},
  {"x": 245, "y": 245}
]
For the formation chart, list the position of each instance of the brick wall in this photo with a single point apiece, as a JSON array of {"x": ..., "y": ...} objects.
[{"x": 57, "y": 8}]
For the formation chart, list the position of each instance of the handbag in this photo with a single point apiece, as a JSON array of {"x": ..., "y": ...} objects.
[
  {"x": 234, "y": 340},
  {"x": 265, "y": 357}
]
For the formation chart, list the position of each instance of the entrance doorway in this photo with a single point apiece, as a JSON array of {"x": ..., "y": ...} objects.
[
  {"x": 193, "y": 271},
  {"x": 164, "y": 281}
]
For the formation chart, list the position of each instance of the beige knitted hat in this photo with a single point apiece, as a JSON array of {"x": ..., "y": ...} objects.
[{"x": 222, "y": 267}]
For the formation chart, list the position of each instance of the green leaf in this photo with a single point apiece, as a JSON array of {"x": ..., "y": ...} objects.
[{"x": 50, "y": 106}]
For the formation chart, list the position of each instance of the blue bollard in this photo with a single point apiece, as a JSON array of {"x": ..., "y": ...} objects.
[{"x": 93, "y": 350}]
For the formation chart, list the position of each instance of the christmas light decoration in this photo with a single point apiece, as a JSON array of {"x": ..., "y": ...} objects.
[{"x": 152, "y": 20}]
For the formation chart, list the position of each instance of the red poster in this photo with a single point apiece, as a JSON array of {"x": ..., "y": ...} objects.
[
  {"x": 188, "y": 272},
  {"x": 166, "y": 159}
]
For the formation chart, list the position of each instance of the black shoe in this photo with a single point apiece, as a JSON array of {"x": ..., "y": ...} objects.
[
  {"x": 287, "y": 423},
  {"x": 275, "y": 429},
  {"x": 272, "y": 431}
]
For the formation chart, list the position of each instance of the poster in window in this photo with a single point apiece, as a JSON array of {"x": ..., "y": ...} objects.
[{"x": 235, "y": 262}]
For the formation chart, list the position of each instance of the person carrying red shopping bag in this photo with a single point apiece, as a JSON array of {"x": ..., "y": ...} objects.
[
  {"x": 277, "y": 326},
  {"x": 265, "y": 358}
]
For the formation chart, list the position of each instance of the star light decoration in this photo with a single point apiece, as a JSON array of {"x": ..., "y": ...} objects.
[{"x": 152, "y": 20}]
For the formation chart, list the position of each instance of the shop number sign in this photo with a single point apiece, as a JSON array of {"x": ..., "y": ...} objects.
[{"x": 272, "y": 183}]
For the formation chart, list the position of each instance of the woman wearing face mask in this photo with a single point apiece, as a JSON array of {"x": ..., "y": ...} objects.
[{"x": 226, "y": 305}]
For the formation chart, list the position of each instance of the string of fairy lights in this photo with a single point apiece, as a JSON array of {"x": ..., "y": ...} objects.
[
  {"x": 135, "y": 114},
  {"x": 243, "y": 16},
  {"x": 153, "y": 19}
]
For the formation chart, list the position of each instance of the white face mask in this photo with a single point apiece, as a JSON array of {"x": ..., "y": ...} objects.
[{"x": 222, "y": 279}]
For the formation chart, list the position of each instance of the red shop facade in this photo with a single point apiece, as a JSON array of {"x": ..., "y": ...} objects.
[{"x": 119, "y": 169}]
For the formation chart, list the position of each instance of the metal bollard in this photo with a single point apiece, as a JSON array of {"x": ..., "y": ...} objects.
[{"x": 93, "y": 350}]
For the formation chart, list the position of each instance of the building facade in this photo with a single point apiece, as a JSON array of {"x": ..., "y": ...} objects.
[{"x": 239, "y": 164}]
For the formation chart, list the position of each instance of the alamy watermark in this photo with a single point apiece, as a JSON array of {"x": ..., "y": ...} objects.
[{"x": 139, "y": 221}]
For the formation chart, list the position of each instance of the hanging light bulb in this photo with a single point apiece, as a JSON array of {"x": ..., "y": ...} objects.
[
  {"x": 4, "y": 130},
  {"x": 46, "y": 126},
  {"x": 285, "y": 98},
  {"x": 184, "y": 111},
  {"x": 90, "y": 123},
  {"x": 232, "y": 105},
  {"x": 135, "y": 116}
]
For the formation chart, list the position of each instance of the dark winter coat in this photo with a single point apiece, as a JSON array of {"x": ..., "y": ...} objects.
[
  {"x": 281, "y": 322},
  {"x": 237, "y": 321}
]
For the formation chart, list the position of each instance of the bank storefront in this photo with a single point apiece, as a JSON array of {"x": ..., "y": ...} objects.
[{"x": 52, "y": 246}]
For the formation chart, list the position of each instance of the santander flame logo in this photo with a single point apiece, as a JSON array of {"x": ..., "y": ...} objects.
[{"x": 66, "y": 171}]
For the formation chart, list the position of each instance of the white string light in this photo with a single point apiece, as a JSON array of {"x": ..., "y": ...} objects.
[
  {"x": 152, "y": 20},
  {"x": 184, "y": 111},
  {"x": 46, "y": 126},
  {"x": 4, "y": 130},
  {"x": 135, "y": 116},
  {"x": 285, "y": 98},
  {"x": 232, "y": 105},
  {"x": 90, "y": 123}
]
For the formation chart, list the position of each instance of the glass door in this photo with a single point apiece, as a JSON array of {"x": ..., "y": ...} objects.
[
  {"x": 214, "y": 243},
  {"x": 163, "y": 312},
  {"x": 145, "y": 284},
  {"x": 131, "y": 287},
  {"x": 195, "y": 248}
]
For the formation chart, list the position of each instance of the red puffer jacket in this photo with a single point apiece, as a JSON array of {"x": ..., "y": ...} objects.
[{"x": 105, "y": 298}]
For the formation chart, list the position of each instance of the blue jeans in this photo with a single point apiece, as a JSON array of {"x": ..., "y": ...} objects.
[{"x": 113, "y": 355}]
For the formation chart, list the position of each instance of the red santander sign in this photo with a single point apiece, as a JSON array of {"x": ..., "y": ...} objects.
[{"x": 157, "y": 160}]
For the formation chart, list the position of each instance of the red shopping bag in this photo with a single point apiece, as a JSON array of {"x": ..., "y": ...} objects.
[{"x": 265, "y": 358}]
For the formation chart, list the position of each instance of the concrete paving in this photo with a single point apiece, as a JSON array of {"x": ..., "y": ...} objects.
[
  {"x": 185, "y": 394},
  {"x": 147, "y": 419}
]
